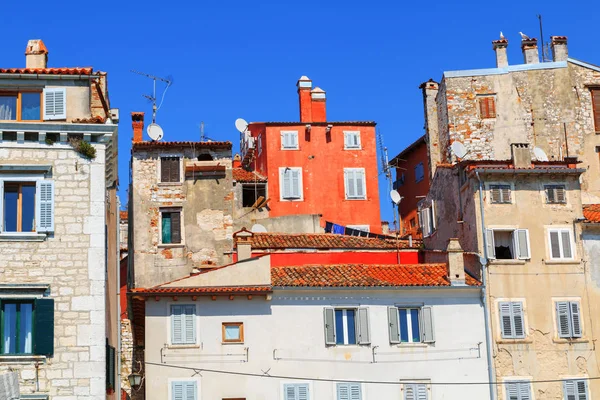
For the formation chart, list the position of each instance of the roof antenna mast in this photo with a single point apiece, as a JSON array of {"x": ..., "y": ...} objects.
[
  {"x": 544, "y": 49},
  {"x": 168, "y": 81}
]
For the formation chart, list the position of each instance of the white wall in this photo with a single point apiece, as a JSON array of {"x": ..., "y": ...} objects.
[{"x": 290, "y": 327}]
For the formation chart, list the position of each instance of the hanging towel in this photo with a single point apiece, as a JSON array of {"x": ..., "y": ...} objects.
[
  {"x": 338, "y": 229},
  {"x": 9, "y": 386},
  {"x": 328, "y": 227}
]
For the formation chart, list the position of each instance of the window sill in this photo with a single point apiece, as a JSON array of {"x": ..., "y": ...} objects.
[
  {"x": 170, "y": 184},
  {"x": 170, "y": 245},
  {"x": 508, "y": 262},
  {"x": 570, "y": 341},
  {"x": 290, "y": 200},
  {"x": 562, "y": 262},
  {"x": 290, "y": 148},
  {"x": 230, "y": 343},
  {"x": 17, "y": 359},
  {"x": 514, "y": 341},
  {"x": 411, "y": 345},
  {"x": 22, "y": 237},
  {"x": 352, "y": 148},
  {"x": 183, "y": 346},
  {"x": 356, "y": 198}
]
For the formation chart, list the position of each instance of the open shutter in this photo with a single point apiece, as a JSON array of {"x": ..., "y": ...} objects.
[
  {"x": 569, "y": 390},
  {"x": 359, "y": 176},
  {"x": 427, "y": 322},
  {"x": 343, "y": 391},
  {"x": 495, "y": 193},
  {"x": 364, "y": 335},
  {"x": 410, "y": 392},
  {"x": 177, "y": 391},
  {"x": 554, "y": 244},
  {"x": 506, "y": 325},
  {"x": 491, "y": 248},
  {"x": 290, "y": 392},
  {"x": 518, "y": 320},
  {"x": 295, "y": 177},
  {"x": 512, "y": 391},
  {"x": 55, "y": 106},
  {"x": 189, "y": 324},
  {"x": 565, "y": 236},
  {"x": 45, "y": 206},
  {"x": 43, "y": 327},
  {"x": 329, "y": 317},
  {"x": 350, "y": 184},
  {"x": 575, "y": 319},
  {"x": 177, "y": 325},
  {"x": 433, "y": 223},
  {"x": 110, "y": 366},
  {"x": 421, "y": 392},
  {"x": 522, "y": 244},
  {"x": 175, "y": 227},
  {"x": 1, "y": 206},
  {"x": 524, "y": 391},
  {"x": 302, "y": 392},
  {"x": 562, "y": 319},
  {"x": 425, "y": 222},
  {"x": 190, "y": 391},
  {"x": 394, "y": 327},
  {"x": 355, "y": 391}
]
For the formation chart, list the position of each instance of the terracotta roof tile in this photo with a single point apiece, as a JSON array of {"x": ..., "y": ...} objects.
[
  {"x": 48, "y": 71},
  {"x": 202, "y": 290},
  {"x": 123, "y": 215},
  {"x": 266, "y": 241},
  {"x": 92, "y": 120},
  {"x": 242, "y": 175},
  {"x": 591, "y": 213},
  {"x": 180, "y": 144},
  {"x": 360, "y": 275},
  {"x": 288, "y": 123}
]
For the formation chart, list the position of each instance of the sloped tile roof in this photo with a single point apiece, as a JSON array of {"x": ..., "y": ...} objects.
[
  {"x": 203, "y": 290},
  {"x": 123, "y": 215},
  {"x": 361, "y": 275},
  {"x": 266, "y": 241},
  {"x": 591, "y": 213},
  {"x": 242, "y": 175},
  {"x": 180, "y": 144},
  {"x": 48, "y": 71}
]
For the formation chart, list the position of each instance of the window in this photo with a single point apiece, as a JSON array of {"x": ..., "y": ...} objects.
[
  {"x": 55, "y": 106},
  {"x": 110, "y": 366},
  {"x": 354, "y": 181},
  {"x": 561, "y": 245},
  {"x": 512, "y": 321},
  {"x": 252, "y": 192},
  {"x": 346, "y": 326},
  {"x": 233, "y": 332},
  {"x": 19, "y": 321},
  {"x": 349, "y": 391},
  {"x": 413, "y": 223},
  {"x": 500, "y": 194},
  {"x": 399, "y": 182},
  {"x": 415, "y": 392},
  {"x": 508, "y": 244},
  {"x": 419, "y": 172},
  {"x": 518, "y": 390},
  {"x": 575, "y": 389},
  {"x": 169, "y": 169},
  {"x": 296, "y": 391},
  {"x": 289, "y": 140},
  {"x": 568, "y": 319},
  {"x": 170, "y": 227},
  {"x": 184, "y": 390},
  {"x": 259, "y": 144},
  {"x": 427, "y": 220},
  {"x": 27, "y": 206},
  {"x": 411, "y": 324},
  {"x": 20, "y": 106},
  {"x": 351, "y": 140},
  {"x": 183, "y": 324},
  {"x": 362, "y": 228},
  {"x": 595, "y": 107},
  {"x": 291, "y": 183},
  {"x": 487, "y": 107},
  {"x": 555, "y": 194}
]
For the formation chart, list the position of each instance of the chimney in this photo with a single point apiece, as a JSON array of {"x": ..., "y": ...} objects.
[
  {"x": 137, "y": 122},
  {"x": 36, "y": 54},
  {"x": 237, "y": 161},
  {"x": 304, "y": 85},
  {"x": 456, "y": 263},
  {"x": 499, "y": 47},
  {"x": 559, "y": 48},
  {"x": 243, "y": 243},
  {"x": 385, "y": 228},
  {"x": 530, "y": 51},
  {"x": 521, "y": 156},
  {"x": 430, "y": 90},
  {"x": 317, "y": 97}
]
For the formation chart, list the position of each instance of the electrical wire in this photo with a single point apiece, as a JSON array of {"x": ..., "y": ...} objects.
[{"x": 399, "y": 382}]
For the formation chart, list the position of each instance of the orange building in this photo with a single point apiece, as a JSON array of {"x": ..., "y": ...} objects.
[
  {"x": 315, "y": 166},
  {"x": 412, "y": 183}
]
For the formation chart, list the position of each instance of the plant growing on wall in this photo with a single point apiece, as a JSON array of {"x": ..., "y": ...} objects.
[{"x": 83, "y": 148}]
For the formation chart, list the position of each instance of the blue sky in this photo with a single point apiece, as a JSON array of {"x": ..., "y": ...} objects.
[{"x": 233, "y": 59}]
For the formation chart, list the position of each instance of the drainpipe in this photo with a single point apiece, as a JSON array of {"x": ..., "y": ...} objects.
[
  {"x": 118, "y": 378},
  {"x": 484, "y": 297}
]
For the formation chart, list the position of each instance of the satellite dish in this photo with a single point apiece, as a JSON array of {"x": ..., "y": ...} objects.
[
  {"x": 396, "y": 198},
  {"x": 540, "y": 154},
  {"x": 155, "y": 132},
  {"x": 241, "y": 125},
  {"x": 458, "y": 149},
  {"x": 258, "y": 228}
]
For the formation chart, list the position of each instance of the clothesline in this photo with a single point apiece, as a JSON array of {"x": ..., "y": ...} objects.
[{"x": 330, "y": 227}]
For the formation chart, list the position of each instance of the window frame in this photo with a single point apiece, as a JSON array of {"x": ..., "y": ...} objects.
[
  {"x": 35, "y": 179},
  {"x": 577, "y": 394},
  {"x": 360, "y": 340},
  {"x": 426, "y": 333},
  {"x": 345, "y": 327},
  {"x": 172, "y": 381},
  {"x": 417, "y": 180},
  {"x": 19, "y": 221},
  {"x": 240, "y": 326},
  {"x": 160, "y": 228},
  {"x": 362, "y": 228},
  {"x": 500, "y": 186},
  {"x": 291, "y": 134},
  {"x": 170, "y": 325},
  {"x": 554, "y": 186},
  {"x": 17, "y": 301},
  {"x": 409, "y": 319},
  {"x": 295, "y": 383},
  {"x": 561, "y": 230},
  {"x": 300, "y": 184},
  {"x": 159, "y": 169},
  {"x": 347, "y": 171},
  {"x": 512, "y": 303},
  {"x": 19, "y": 104},
  {"x": 517, "y": 381},
  {"x": 572, "y": 335},
  {"x": 415, "y": 386},
  {"x": 515, "y": 239},
  {"x": 355, "y": 134},
  {"x": 489, "y": 112}
]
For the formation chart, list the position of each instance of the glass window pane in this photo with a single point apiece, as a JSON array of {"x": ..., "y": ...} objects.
[
  {"x": 9, "y": 336},
  {"x": 25, "y": 328},
  {"x": 30, "y": 106},
  {"x": 351, "y": 326},
  {"x": 339, "y": 326},
  {"x": 28, "y": 208},
  {"x": 8, "y": 108},
  {"x": 414, "y": 319},
  {"x": 11, "y": 198},
  {"x": 403, "y": 325},
  {"x": 166, "y": 227},
  {"x": 232, "y": 332}
]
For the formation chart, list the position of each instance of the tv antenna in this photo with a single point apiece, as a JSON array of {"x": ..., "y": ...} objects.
[
  {"x": 545, "y": 57},
  {"x": 387, "y": 171},
  {"x": 203, "y": 137},
  {"x": 168, "y": 81}
]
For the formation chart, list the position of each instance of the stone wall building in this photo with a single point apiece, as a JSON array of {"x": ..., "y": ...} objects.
[{"x": 57, "y": 203}]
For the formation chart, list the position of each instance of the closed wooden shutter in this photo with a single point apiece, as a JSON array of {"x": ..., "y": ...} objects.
[
  {"x": 110, "y": 366},
  {"x": 512, "y": 391},
  {"x": 562, "y": 319},
  {"x": 500, "y": 193},
  {"x": 43, "y": 327},
  {"x": 45, "y": 206},
  {"x": 189, "y": 324},
  {"x": 190, "y": 390},
  {"x": 393, "y": 323},
  {"x": 487, "y": 107},
  {"x": 427, "y": 322},
  {"x": 518, "y": 320},
  {"x": 329, "y": 324},
  {"x": 2, "y": 206},
  {"x": 596, "y": 108},
  {"x": 555, "y": 244},
  {"x": 555, "y": 194},
  {"x": 177, "y": 391},
  {"x": 491, "y": 249},
  {"x": 350, "y": 185},
  {"x": 359, "y": 176},
  {"x": 295, "y": 177},
  {"x": 355, "y": 391},
  {"x": 343, "y": 391},
  {"x": 175, "y": 227},
  {"x": 364, "y": 335},
  {"x": 566, "y": 244},
  {"x": 55, "y": 104},
  {"x": 169, "y": 169}
]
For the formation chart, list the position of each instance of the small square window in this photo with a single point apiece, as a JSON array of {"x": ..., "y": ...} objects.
[
  {"x": 555, "y": 194},
  {"x": 500, "y": 194},
  {"x": 233, "y": 332},
  {"x": 487, "y": 107},
  {"x": 351, "y": 140},
  {"x": 289, "y": 140},
  {"x": 169, "y": 169}
]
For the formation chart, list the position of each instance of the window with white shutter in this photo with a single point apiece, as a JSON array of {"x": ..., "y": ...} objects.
[
  {"x": 349, "y": 391},
  {"x": 508, "y": 244},
  {"x": 512, "y": 319},
  {"x": 427, "y": 220},
  {"x": 183, "y": 324},
  {"x": 561, "y": 244},
  {"x": 518, "y": 390},
  {"x": 347, "y": 326},
  {"x": 575, "y": 389},
  {"x": 184, "y": 390},
  {"x": 355, "y": 185},
  {"x": 568, "y": 319},
  {"x": 26, "y": 206},
  {"x": 55, "y": 104},
  {"x": 351, "y": 140},
  {"x": 416, "y": 391},
  {"x": 555, "y": 194},
  {"x": 500, "y": 194},
  {"x": 289, "y": 140},
  {"x": 296, "y": 391},
  {"x": 291, "y": 183}
]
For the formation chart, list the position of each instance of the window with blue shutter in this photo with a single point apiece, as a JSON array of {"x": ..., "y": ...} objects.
[
  {"x": 518, "y": 390},
  {"x": 568, "y": 319},
  {"x": 291, "y": 183},
  {"x": 349, "y": 391},
  {"x": 184, "y": 390},
  {"x": 183, "y": 324},
  {"x": 576, "y": 389},
  {"x": 55, "y": 104},
  {"x": 419, "y": 172},
  {"x": 296, "y": 391},
  {"x": 355, "y": 185}
]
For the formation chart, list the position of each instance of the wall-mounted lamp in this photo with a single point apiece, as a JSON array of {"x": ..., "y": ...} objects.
[
  {"x": 328, "y": 128},
  {"x": 308, "y": 128},
  {"x": 136, "y": 378}
]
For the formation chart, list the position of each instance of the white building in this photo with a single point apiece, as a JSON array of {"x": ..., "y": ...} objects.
[{"x": 354, "y": 332}]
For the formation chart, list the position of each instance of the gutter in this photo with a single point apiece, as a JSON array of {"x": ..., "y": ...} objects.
[
  {"x": 366, "y": 288},
  {"x": 484, "y": 297},
  {"x": 526, "y": 171},
  {"x": 48, "y": 76}
]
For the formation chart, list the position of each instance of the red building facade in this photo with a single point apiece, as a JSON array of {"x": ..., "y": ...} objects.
[{"x": 315, "y": 166}]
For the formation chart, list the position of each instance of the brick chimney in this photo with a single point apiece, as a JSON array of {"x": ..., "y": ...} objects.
[
  {"x": 317, "y": 96},
  {"x": 137, "y": 123},
  {"x": 36, "y": 54},
  {"x": 243, "y": 243},
  {"x": 499, "y": 47},
  {"x": 304, "y": 85},
  {"x": 530, "y": 51},
  {"x": 521, "y": 156},
  {"x": 559, "y": 48},
  {"x": 430, "y": 90},
  {"x": 456, "y": 263}
]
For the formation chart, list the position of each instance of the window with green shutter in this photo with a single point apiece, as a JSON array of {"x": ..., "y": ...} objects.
[
  {"x": 110, "y": 366},
  {"x": 170, "y": 227},
  {"x": 27, "y": 326},
  {"x": 512, "y": 321}
]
